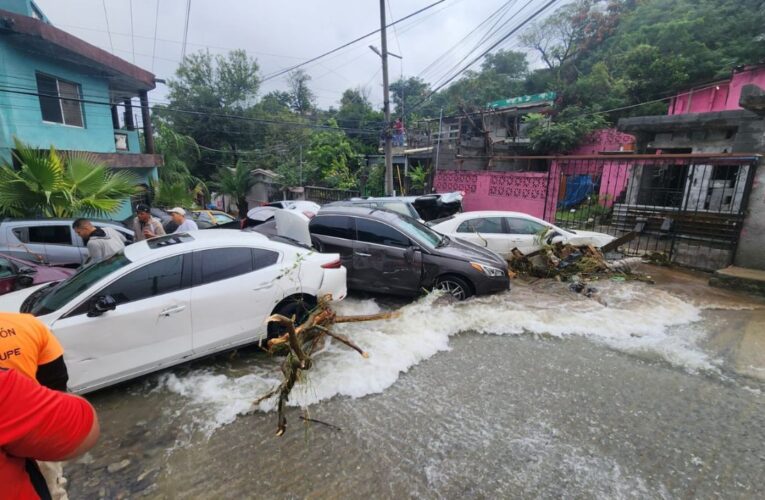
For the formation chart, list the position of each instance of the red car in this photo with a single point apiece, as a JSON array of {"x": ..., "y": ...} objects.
[{"x": 19, "y": 273}]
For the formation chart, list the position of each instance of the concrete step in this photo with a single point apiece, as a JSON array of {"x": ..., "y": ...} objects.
[{"x": 741, "y": 279}]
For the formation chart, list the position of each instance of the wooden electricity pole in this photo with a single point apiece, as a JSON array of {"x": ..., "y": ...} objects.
[{"x": 386, "y": 105}]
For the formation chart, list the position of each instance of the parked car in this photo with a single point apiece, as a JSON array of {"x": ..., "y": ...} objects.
[
  {"x": 388, "y": 252},
  {"x": 211, "y": 218},
  {"x": 16, "y": 274},
  {"x": 425, "y": 207},
  {"x": 49, "y": 241},
  {"x": 175, "y": 298},
  {"x": 502, "y": 231},
  {"x": 309, "y": 208},
  {"x": 258, "y": 215}
]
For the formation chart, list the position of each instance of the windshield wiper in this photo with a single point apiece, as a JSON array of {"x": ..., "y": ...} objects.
[{"x": 30, "y": 301}]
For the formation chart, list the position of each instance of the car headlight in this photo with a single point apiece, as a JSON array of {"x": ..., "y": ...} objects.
[{"x": 487, "y": 270}]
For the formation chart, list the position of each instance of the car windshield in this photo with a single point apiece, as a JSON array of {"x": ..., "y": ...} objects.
[
  {"x": 419, "y": 231},
  {"x": 59, "y": 295}
]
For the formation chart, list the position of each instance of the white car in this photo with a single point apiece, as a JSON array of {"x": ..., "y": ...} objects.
[
  {"x": 502, "y": 231},
  {"x": 175, "y": 298}
]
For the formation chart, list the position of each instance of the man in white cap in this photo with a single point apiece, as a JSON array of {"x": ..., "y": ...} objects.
[{"x": 179, "y": 217}]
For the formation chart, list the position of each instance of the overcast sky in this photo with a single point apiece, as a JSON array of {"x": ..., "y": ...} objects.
[{"x": 280, "y": 33}]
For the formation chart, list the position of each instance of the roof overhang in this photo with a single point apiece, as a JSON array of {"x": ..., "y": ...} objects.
[
  {"x": 33, "y": 35},
  {"x": 123, "y": 160},
  {"x": 688, "y": 121}
]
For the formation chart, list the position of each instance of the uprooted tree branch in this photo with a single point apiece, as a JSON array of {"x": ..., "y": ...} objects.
[{"x": 301, "y": 342}]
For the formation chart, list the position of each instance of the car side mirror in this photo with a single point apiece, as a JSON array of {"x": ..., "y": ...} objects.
[
  {"x": 25, "y": 276},
  {"x": 554, "y": 237},
  {"x": 101, "y": 304},
  {"x": 27, "y": 271}
]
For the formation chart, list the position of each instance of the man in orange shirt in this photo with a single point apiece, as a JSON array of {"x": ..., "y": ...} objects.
[{"x": 29, "y": 347}]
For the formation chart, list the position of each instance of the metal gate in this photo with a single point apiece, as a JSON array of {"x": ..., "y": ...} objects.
[{"x": 686, "y": 209}]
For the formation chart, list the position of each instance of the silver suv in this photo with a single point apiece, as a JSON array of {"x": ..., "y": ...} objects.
[{"x": 49, "y": 241}]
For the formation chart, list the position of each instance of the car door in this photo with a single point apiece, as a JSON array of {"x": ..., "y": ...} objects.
[
  {"x": 384, "y": 259},
  {"x": 58, "y": 240},
  {"x": 335, "y": 234},
  {"x": 523, "y": 233},
  {"x": 149, "y": 328},
  {"x": 487, "y": 232},
  {"x": 234, "y": 291}
]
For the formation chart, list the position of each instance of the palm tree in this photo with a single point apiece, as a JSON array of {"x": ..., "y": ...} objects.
[
  {"x": 236, "y": 183},
  {"x": 53, "y": 185}
]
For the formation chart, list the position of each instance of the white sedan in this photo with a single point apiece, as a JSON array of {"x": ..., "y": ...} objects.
[
  {"x": 502, "y": 231},
  {"x": 175, "y": 298}
]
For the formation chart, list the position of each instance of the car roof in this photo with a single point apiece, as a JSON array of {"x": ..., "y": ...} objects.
[
  {"x": 196, "y": 240},
  {"x": 494, "y": 213},
  {"x": 380, "y": 213}
]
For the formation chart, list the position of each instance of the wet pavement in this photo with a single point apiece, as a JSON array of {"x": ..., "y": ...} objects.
[{"x": 651, "y": 391}]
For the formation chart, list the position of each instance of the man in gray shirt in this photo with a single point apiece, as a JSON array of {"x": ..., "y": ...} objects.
[
  {"x": 179, "y": 217},
  {"x": 101, "y": 243}
]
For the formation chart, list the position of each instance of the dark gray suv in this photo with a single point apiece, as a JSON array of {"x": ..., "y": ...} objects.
[{"x": 387, "y": 252}]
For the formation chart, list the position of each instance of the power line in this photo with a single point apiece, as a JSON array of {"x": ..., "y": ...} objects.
[
  {"x": 154, "y": 44},
  {"x": 106, "y": 17},
  {"x": 132, "y": 38},
  {"x": 206, "y": 113},
  {"x": 490, "y": 33},
  {"x": 294, "y": 67},
  {"x": 481, "y": 55},
  {"x": 463, "y": 39},
  {"x": 186, "y": 30}
]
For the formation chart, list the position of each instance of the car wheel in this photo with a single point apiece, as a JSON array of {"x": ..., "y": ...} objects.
[
  {"x": 455, "y": 286},
  {"x": 299, "y": 308}
]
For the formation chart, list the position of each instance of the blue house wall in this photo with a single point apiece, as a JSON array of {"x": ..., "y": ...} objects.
[{"x": 21, "y": 115}]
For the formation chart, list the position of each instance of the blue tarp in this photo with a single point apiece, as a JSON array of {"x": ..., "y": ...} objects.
[{"x": 578, "y": 188}]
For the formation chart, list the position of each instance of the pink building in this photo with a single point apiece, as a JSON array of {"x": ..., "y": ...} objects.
[{"x": 723, "y": 95}]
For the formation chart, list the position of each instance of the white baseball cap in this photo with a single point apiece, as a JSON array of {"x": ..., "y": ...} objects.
[{"x": 177, "y": 210}]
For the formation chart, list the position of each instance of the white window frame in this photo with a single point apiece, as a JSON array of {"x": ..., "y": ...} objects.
[{"x": 60, "y": 99}]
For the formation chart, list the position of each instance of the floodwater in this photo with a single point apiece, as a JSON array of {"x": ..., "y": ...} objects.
[{"x": 643, "y": 391}]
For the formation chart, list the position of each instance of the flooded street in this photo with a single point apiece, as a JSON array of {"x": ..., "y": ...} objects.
[{"x": 650, "y": 391}]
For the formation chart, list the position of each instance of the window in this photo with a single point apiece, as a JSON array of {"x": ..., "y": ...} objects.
[
  {"x": 59, "y": 101},
  {"x": 337, "y": 226},
  {"x": 417, "y": 230},
  {"x": 485, "y": 225},
  {"x": 375, "y": 232},
  {"x": 52, "y": 299},
  {"x": 524, "y": 226},
  {"x": 7, "y": 269},
  {"x": 221, "y": 263},
  {"x": 263, "y": 258},
  {"x": 161, "y": 277},
  {"x": 223, "y": 218},
  {"x": 52, "y": 235},
  {"x": 399, "y": 207}
]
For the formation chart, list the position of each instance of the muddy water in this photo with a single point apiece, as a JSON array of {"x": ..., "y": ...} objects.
[{"x": 649, "y": 391}]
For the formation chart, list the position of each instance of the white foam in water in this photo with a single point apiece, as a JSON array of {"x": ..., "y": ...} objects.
[{"x": 637, "y": 319}]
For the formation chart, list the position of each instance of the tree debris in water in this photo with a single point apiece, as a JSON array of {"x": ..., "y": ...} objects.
[
  {"x": 566, "y": 262},
  {"x": 301, "y": 342}
]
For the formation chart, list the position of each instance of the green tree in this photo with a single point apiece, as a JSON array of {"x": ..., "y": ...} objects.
[
  {"x": 55, "y": 185},
  {"x": 207, "y": 97},
  {"x": 332, "y": 154},
  {"x": 565, "y": 133},
  {"x": 302, "y": 98},
  {"x": 236, "y": 183}
]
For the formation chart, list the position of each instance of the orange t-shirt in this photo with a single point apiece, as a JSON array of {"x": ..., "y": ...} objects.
[{"x": 26, "y": 343}]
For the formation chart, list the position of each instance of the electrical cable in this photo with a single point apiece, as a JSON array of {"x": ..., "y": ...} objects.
[
  {"x": 154, "y": 44},
  {"x": 356, "y": 40},
  {"x": 106, "y": 17}
]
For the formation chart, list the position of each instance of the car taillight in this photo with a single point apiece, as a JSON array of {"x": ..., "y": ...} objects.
[
  {"x": 310, "y": 215},
  {"x": 335, "y": 264}
]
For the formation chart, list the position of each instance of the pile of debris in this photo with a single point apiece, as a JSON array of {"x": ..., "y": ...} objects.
[
  {"x": 566, "y": 262},
  {"x": 302, "y": 341}
]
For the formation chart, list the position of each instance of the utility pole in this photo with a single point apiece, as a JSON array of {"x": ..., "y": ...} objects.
[{"x": 386, "y": 105}]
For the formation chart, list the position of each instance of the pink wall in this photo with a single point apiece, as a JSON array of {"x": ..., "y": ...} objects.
[
  {"x": 717, "y": 97},
  {"x": 516, "y": 191}
]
